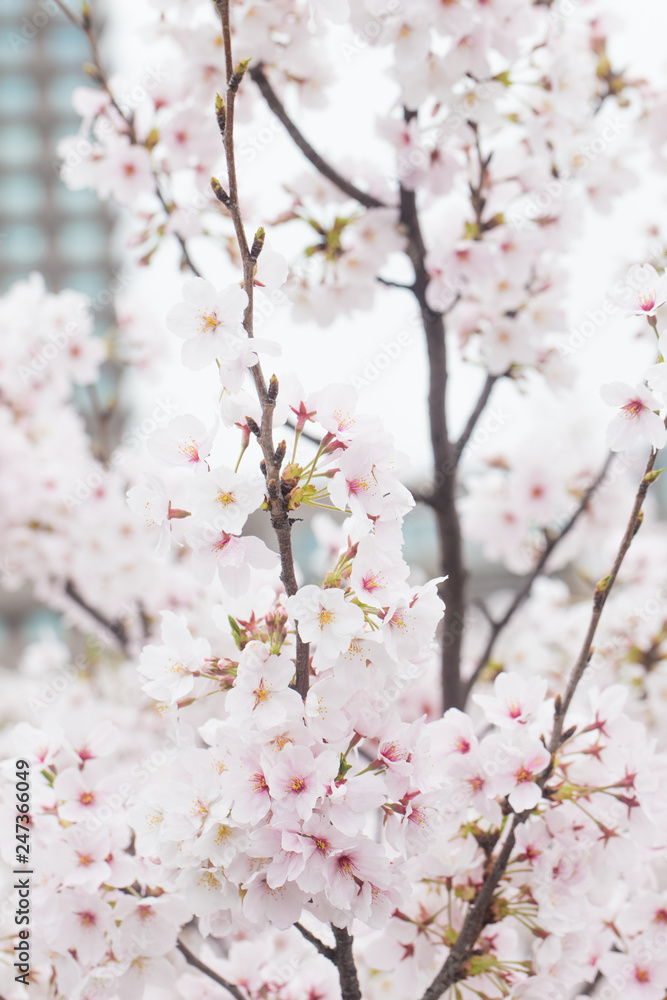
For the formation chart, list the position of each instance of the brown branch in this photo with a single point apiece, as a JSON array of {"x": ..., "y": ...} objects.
[
  {"x": 453, "y": 968},
  {"x": 587, "y": 990},
  {"x": 259, "y": 77},
  {"x": 267, "y": 394},
  {"x": 192, "y": 960},
  {"x": 116, "y": 628},
  {"x": 475, "y": 415},
  {"x": 443, "y": 500},
  {"x": 344, "y": 962},
  {"x": 522, "y": 594},
  {"x": 323, "y": 948},
  {"x": 602, "y": 592}
]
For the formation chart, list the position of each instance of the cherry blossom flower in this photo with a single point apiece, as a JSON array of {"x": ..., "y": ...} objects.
[
  {"x": 184, "y": 441},
  {"x": 232, "y": 557},
  {"x": 222, "y": 499},
  {"x": 82, "y": 925},
  {"x": 325, "y": 616},
  {"x": 515, "y": 700},
  {"x": 152, "y": 501},
  {"x": 169, "y": 669},
  {"x": 261, "y": 690},
  {"x": 646, "y": 290},
  {"x": 515, "y": 768},
  {"x": 298, "y": 779},
  {"x": 206, "y": 319},
  {"x": 640, "y": 974},
  {"x": 636, "y": 417}
]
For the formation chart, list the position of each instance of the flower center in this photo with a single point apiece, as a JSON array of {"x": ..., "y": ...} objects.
[
  {"x": 226, "y": 498},
  {"x": 646, "y": 300},
  {"x": 259, "y": 782},
  {"x": 325, "y": 617},
  {"x": 262, "y": 693},
  {"x": 297, "y": 784},
  {"x": 633, "y": 408},
  {"x": 209, "y": 322}
]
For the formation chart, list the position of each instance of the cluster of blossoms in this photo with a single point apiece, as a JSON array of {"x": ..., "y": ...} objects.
[
  {"x": 52, "y": 510},
  {"x": 256, "y": 802}
]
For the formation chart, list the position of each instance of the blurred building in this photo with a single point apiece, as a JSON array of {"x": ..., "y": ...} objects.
[{"x": 44, "y": 226}]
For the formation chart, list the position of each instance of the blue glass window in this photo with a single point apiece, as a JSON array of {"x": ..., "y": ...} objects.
[
  {"x": 19, "y": 95},
  {"x": 19, "y": 145},
  {"x": 23, "y": 244},
  {"x": 21, "y": 194},
  {"x": 82, "y": 241},
  {"x": 67, "y": 45}
]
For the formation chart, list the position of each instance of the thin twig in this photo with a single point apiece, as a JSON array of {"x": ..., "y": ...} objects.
[
  {"x": 443, "y": 500},
  {"x": 475, "y": 920},
  {"x": 602, "y": 592},
  {"x": 192, "y": 959},
  {"x": 116, "y": 628},
  {"x": 267, "y": 394},
  {"x": 475, "y": 415},
  {"x": 524, "y": 590},
  {"x": 394, "y": 284},
  {"x": 85, "y": 25},
  {"x": 453, "y": 968},
  {"x": 368, "y": 200}
]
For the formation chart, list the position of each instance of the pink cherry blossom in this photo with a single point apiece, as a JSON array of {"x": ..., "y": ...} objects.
[
  {"x": 636, "y": 417},
  {"x": 325, "y": 616},
  {"x": 515, "y": 700}
]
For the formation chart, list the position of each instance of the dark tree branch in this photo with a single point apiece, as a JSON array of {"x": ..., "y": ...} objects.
[
  {"x": 116, "y": 629},
  {"x": 267, "y": 394},
  {"x": 344, "y": 962},
  {"x": 587, "y": 990},
  {"x": 323, "y": 948},
  {"x": 475, "y": 415},
  {"x": 524, "y": 590},
  {"x": 196, "y": 963},
  {"x": 259, "y": 77},
  {"x": 443, "y": 500},
  {"x": 394, "y": 284},
  {"x": 475, "y": 921}
]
